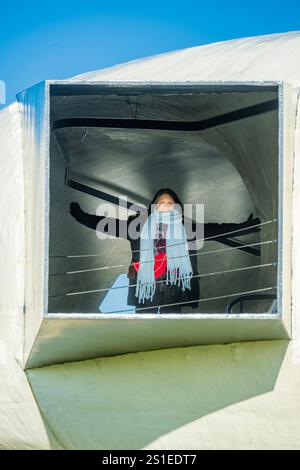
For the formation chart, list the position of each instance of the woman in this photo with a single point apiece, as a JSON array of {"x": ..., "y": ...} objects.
[{"x": 163, "y": 270}]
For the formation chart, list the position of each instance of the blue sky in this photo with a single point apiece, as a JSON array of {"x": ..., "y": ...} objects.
[{"x": 58, "y": 39}]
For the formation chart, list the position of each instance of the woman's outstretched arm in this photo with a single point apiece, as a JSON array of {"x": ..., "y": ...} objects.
[
  {"x": 115, "y": 227},
  {"x": 212, "y": 229}
]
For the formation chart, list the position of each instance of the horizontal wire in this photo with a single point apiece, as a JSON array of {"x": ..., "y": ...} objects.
[
  {"x": 173, "y": 257},
  {"x": 174, "y": 244},
  {"x": 196, "y": 300},
  {"x": 165, "y": 280}
]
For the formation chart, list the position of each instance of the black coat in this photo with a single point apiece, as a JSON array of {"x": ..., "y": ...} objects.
[{"x": 163, "y": 294}]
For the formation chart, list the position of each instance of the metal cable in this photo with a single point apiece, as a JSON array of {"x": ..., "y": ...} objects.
[
  {"x": 196, "y": 300},
  {"x": 165, "y": 281},
  {"x": 174, "y": 244},
  {"x": 173, "y": 257}
]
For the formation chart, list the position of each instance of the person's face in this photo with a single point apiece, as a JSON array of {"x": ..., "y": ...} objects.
[{"x": 165, "y": 203}]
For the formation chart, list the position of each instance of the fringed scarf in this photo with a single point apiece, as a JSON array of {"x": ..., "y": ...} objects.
[{"x": 179, "y": 266}]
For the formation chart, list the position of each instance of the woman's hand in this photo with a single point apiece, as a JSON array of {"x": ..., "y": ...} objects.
[
  {"x": 75, "y": 210},
  {"x": 250, "y": 222}
]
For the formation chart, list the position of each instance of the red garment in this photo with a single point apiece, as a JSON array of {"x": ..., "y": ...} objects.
[
  {"x": 160, "y": 264},
  {"x": 160, "y": 256}
]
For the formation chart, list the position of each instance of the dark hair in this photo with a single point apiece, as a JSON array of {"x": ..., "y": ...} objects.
[{"x": 165, "y": 191}]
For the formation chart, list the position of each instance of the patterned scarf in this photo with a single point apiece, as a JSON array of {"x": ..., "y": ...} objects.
[{"x": 178, "y": 260}]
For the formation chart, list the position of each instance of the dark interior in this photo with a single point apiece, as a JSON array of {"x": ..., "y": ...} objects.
[{"x": 213, "y": 144}]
